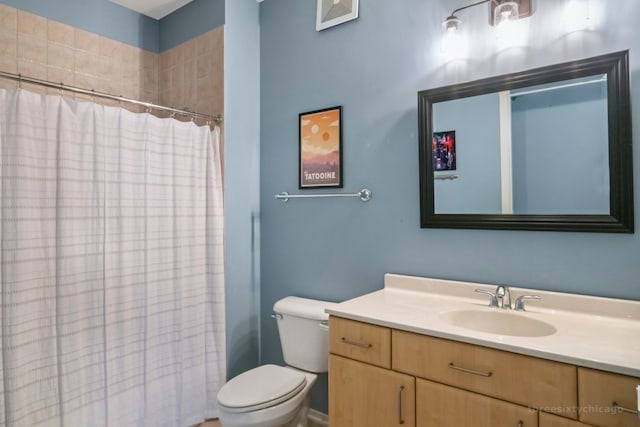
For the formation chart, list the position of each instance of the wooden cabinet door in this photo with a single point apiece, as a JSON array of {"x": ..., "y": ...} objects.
[
  {"x": 438, "y": 405},
  {"x": 608, "y": 400},
  {"x": 362, "y": 395},
  {"x": 548, "y": 420}
]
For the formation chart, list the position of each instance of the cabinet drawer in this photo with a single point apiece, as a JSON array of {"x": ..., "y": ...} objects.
[
  {"x": 361, "y": 395},
  {"x": 360, "y": 341},
  {"x": 548, "y": 420},
  {"x": 603, "y": 395},
  {"x": 439, "y": 405},
  {"x": 528, "y": 381}
]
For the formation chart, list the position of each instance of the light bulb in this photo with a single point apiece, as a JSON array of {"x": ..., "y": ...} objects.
[
  {"x": 505, "y": 11},
  {"x": 453, "y": 44},
  {"x": 505, "y": 19}
]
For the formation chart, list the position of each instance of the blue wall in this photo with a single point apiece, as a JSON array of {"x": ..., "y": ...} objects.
[
  {"x": 242, "y": 183},
  {"x": 98, "y": 16},
  {"x": 560, "y": 163},
  {"x": 336, "y": 249},
  {"x": 476, "y": 121},
  {"x": 190, "y": 21}
]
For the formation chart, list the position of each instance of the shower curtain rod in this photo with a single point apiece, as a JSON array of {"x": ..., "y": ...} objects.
[{"x": 150, "y": 106}]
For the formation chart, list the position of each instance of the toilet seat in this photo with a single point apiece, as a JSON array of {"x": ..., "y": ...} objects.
[{"x": 260, "y": 388}]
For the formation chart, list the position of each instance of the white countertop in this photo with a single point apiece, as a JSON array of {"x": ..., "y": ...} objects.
[{"x": 594, "y": 332}]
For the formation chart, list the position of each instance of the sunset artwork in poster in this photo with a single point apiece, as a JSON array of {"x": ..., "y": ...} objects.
[{"x": 321, "y": 148}]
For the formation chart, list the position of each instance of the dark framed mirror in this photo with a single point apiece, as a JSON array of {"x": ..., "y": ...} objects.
[{"x": 544, "y": 149}]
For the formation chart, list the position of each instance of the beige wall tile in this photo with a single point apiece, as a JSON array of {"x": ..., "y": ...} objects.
[
  {"x": 90, "y": 82},
  {"x": 60, "y": 33},
  {"x": 8, "y": 84},
  {"x": 164, "y": 61},
  {"x": 149, "y": 78},
  {"x": 87, "y": 63},
  {"x": 165, "y": 97},
  {"x": 205, "y": 64},
  {"x": 149, "y": 59},
  {"x": 150, "y": 96},
  {"x": 8, "y": 44},
  {"x": 60, "y": 56},
  {"x": 109, "y": 48},
  {"x": 177, "y": 77},
  {"x": 9, "y": 64},
  {"x": 31, "y": 24},
  {"x": 206, "y": 42},
  {"x": 217, "y": 40},
  {"x": 176, "y": 56},
  {"x": 86, "y": 41},
  {"x": 8, "y": 19},
  {"x": 32, "y": 69},
  {"x": 189, "y": 50},
  {"x": 32, "y": 48},
  {"x": 61, "y": 75}
]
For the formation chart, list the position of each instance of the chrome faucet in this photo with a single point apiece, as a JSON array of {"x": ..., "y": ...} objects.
[
  {"x": 501, "y": 298},
  {"x": 504, "y": 297}
]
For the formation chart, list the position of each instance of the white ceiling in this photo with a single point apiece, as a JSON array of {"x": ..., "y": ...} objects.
[{"x": 156, "y": 9}]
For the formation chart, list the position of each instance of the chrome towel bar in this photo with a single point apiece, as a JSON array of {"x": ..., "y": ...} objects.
[{"x": 364, "y": 195}]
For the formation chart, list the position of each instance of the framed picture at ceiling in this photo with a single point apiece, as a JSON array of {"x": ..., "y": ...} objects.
[
  {"x": 444, "y": 151},
  {"x": 320, "y": 148},
  {"x": 334, "y": 12}
]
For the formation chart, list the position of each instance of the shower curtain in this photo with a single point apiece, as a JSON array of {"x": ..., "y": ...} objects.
[{"x": 112, "y": 296}]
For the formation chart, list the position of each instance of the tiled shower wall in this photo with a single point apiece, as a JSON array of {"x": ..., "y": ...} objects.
[
  {"x": 191, "y": 74},
  {"x": 188, "y": 76}
]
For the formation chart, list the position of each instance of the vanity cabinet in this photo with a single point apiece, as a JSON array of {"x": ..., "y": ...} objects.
[
  {"x": 363, "y": 391},
  {"x": 380, "y": 376},
  {"x": 608, "y": 400},
  {"x": 362, "y": 395},
  {"x": 443, "y": 406}
]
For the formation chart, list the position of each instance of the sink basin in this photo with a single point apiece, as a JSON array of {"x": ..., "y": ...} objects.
[{"x": 499, "y": 322}]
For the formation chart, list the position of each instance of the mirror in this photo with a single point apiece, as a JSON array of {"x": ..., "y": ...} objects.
[{"x": 544, "y": 149}]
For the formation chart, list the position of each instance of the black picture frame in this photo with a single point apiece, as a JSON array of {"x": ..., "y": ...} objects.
[{"x": 320, "y": 148}]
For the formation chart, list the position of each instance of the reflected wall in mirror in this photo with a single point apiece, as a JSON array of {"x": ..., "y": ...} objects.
[{"x": 544, "y": 149}]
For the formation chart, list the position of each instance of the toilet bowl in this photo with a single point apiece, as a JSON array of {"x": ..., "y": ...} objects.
[
  {"x": 278, "y": 396},
  {"x": 268, "y": 396}
]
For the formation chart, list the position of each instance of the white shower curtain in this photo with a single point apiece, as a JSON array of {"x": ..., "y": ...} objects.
[{"x": 112, "y": 295}]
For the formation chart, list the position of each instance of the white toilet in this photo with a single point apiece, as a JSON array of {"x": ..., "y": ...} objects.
[{"x": 277, "y": 396}]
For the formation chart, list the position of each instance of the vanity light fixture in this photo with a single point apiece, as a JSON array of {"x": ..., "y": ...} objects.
[{"x": 503, "y": 14}]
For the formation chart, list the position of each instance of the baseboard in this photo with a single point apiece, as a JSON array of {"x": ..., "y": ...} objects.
[{"x": 318, "y": 419}]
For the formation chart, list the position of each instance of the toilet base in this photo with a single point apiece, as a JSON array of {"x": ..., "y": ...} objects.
[
  {"x": 292, "y": 413},
  {"x": 301, "y": 418}
]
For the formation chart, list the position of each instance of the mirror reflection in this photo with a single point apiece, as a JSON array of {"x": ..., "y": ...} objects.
[{"x": 535, "y": 150}]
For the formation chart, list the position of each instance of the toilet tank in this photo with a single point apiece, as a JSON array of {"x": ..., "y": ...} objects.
[{"x": 304, "y": 332}]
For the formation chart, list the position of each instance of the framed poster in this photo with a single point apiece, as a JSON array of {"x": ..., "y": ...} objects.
[
  {"x": 320, "y": 148},
  {"x": 444, "y": 151}
]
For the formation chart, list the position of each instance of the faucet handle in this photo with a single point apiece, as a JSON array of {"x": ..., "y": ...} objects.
[
  {"x": 519, "y": 304},
  {"x": 493, "y": 302}
]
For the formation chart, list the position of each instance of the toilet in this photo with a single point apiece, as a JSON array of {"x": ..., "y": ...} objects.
[{"x": 278, "y": 396}]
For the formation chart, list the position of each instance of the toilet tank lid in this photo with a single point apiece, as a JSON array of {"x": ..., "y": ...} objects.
[{"x": 303, "y": 307}]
